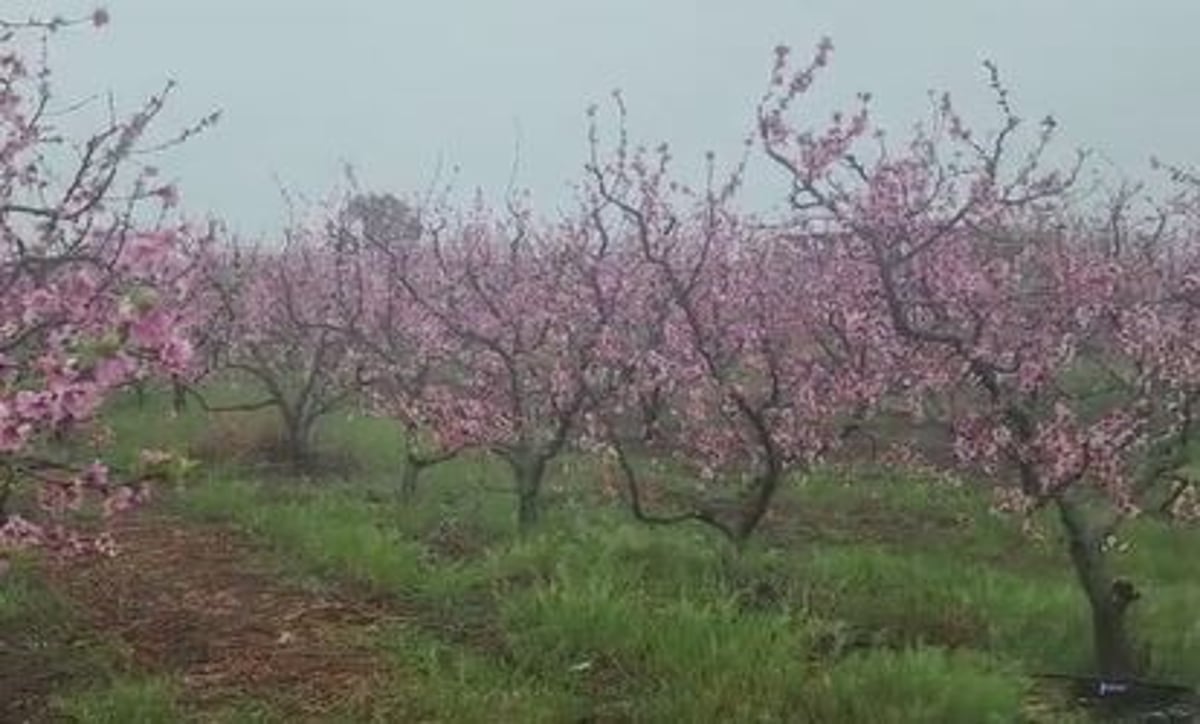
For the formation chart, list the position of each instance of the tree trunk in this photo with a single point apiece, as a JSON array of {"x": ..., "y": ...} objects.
[
  {"x": 413, "y": 467},
  {"x": 755, "y": 508},
  {"x": 528, "y": 469},
  {"x": 5, "y": 491},
  {"x": 297, "y": 441},
  {"x": 178, "y": 396},
  {"x": 1108, "y": 598}
]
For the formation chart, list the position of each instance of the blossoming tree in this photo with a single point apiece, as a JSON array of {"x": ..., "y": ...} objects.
[
  {"x": 750, "y": 350},
  {"x": 270, "y": 318},
  {"x": 91, "y": 275},
  {"x": 504, "y": 322},
  {"x": 979, "y": 262}
]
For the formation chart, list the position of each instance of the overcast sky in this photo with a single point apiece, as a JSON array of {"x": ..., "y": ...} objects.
[{"x": 392, "y": 86}]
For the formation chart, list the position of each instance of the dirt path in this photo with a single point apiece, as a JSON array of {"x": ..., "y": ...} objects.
[{"x": 199, "y": 602}]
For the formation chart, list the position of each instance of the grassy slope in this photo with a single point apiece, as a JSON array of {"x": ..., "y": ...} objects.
[{"x": 875, "y": 599}]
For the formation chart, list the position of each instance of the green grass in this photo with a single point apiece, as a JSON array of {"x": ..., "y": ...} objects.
[
  {"x": 628, "y": 622},
  {"x": 441, "y": 681},
  {"x": 54, "y": 667},
  {"x": 51, "y": 663},
  {"x": 872, "y": 597},
  {"x": 124, "y": 701},
  {"x": 616, "y": 621}
]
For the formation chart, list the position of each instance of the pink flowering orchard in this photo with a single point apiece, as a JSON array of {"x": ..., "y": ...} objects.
[
  {"x": 486, "y": 330},
  {"x": 404, "y": 355},
  {"x": 1023, "y": 313},
  {"x": 91, "y": 276},
  {"x": 270, "y": 324},
  {"x": 954, "y": 279},
  {"x": 751, "y": 351}
]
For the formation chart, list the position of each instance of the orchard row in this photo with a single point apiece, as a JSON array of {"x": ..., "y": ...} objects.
[{"x": 1038, "y": 331}]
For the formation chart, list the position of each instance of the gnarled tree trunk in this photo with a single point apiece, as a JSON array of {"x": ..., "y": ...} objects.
[
  {"x": 409, "y": 477},
  {"x": 1109, "y": 598},
  {"x": 528, "y": 470},
  {"x": 297, "y": 439}
]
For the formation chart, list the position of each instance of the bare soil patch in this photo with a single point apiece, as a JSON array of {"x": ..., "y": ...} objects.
[{"x": 199, "y": 602}]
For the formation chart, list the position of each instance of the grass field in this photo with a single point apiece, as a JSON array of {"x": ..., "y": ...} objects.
[{"x": 871, "y": 597}]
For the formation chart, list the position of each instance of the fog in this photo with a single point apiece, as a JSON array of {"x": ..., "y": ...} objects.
[{"x": 399, "y": 89}]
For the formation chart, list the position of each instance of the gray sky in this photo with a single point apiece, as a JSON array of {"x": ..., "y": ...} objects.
[{"x": 392, "y": 86}]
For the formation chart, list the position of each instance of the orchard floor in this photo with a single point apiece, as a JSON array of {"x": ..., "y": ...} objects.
[
  {"x": 200, "y": 605},
  {"x": 250, "y": 596}
]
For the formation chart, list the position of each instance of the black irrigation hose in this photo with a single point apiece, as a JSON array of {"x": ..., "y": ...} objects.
[{"x": 1147, "y": 700}]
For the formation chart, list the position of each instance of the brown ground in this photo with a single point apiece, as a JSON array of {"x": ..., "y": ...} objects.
[{"x": 198, "y": 602}]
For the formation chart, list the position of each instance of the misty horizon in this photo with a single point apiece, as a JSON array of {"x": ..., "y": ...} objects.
[{"x": 396, "y": 93}]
